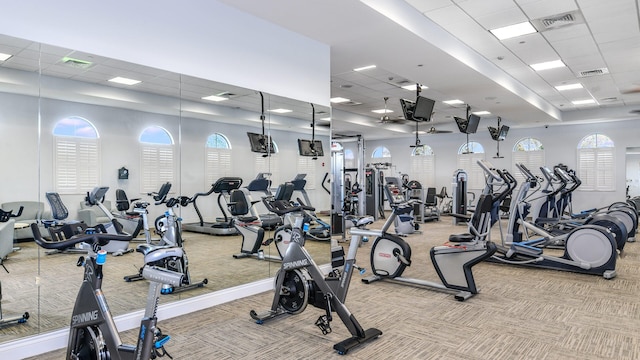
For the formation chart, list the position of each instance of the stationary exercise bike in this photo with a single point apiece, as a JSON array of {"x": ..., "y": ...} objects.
[
  {"x": 170, "y": 254},
  {"x": 93, "y": 334},
  {"x": 453, "y": 262},
  {"x": 300, "y": 282}
]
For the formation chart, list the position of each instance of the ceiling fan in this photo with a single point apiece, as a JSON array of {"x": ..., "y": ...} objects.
[
  {"x": 386, "y": 119},
  {"x": 433, "y": 130}
]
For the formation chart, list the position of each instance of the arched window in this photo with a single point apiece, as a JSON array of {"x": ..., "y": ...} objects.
[
  {"x": 156, "y": 158},
  {"x": 76, "y": 156},
  {"x": 529, "y": 152},
  {"x": 217, "y": 158},
  {"x": 381, "y": 152},
  {"x": 423, "y": 165},
  {"x": 596, "y": 163},
  {"x": 468, "y": 156}
]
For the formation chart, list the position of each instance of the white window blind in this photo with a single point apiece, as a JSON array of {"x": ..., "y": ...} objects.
[
  {"x": 217, "y": 164},
  {"x": 475, "y": 175},
  {"x": 306, "y": 165},
  {"x": 76, "y": 164},
  {"x": 423, "y": 170},
  {"x": 596, "y": 169},
  {"x": 157, "y": 164}
]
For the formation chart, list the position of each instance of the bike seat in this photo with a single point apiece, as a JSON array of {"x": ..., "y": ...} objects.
[
  {"x": 247, "y": 219},
  {"x": 459, "y": 238},
  {"x": 360, "y": 221},
  {"x": 148, "y": 248}
]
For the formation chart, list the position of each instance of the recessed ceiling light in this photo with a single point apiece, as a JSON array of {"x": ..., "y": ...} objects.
[
  {"x": 507, "y": 32},
  {"x": 382, "y": 111},
  {"x": 413, "y": 87},
  {"x": 365, "y": 68},
  {"x": 338, "y": 100},
  {"x": 124, "y": 81},
  {"x": 4, "y": 57},
  {"x": 281, "y": 111},
  {"x": 548, "y": 65},
  {"x": 480, "y": 113},
  {"x": 583, "y": 102},
  {"x": 569, "y": 87},
  {"x": 215, "y": 98},
  {"x": 453, "y": 102},
  {"x": 326, "y": 118}
]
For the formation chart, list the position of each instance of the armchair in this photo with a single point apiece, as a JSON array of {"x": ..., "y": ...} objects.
[
  {"x": 31, "y": 213},
  {"x": 92, "y": 215}
]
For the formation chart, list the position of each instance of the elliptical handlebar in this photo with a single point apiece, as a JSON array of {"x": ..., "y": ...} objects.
[
  {"x": 268, "y": 201},
  {"x": 99, "y": 238},
  {"x": 5, "y": 215}
]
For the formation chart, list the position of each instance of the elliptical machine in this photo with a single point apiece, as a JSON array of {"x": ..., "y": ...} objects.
[
  {"x": 589, "y": 249},
  {"x": 300, "y": 282},
  {"x": 453, "y": 262},
  {"x": 93, "y": 334},
  {"x": 171, "y": 254}
]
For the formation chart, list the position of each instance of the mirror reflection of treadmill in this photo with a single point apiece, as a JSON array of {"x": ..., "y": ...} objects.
[{"x": 222, "y": 225}]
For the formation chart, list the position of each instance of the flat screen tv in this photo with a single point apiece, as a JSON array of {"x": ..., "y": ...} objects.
[
  {"x": 423, "y": 109},
  {"x": 261, "y": 143},
  {"x": 308, "y": 148},
  {"x": 407, "y": 108},
  {"x": 504, "y": 130},
  {"x": 472, "y": 126}
]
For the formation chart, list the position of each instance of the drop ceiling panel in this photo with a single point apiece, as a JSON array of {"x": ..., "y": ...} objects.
[
  {"x": 447, "y": 16},
  {"x": 575, "y": 47},
  {"x": 477, "y": 9},
  {"x": 547, "y": 8},
  {"x": 510, "y": 16},
  {"x": 535, "y": 48},
  {"x": 424, "y": 6},
  {"x": 567, "y": 32}
]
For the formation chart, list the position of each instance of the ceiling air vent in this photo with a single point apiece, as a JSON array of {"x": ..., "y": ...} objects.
[
  {"x": 76, "y": 63},
  {"x": 593, "y": 72},
  {"x": 558, "y": 21}
]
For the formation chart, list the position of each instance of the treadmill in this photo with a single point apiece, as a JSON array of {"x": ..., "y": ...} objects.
[
  {"x": 223, "y": 225},
  {"x": 262, "y": 184}
]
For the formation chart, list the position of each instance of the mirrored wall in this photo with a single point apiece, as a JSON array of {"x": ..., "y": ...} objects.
[{"x": 67, "y": 127}]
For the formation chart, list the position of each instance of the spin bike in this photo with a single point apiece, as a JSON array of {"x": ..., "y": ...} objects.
[
  {"x": 453, "y": 262},
  {"x": 170, "y": 254},
  {"x": 93, "y": 334},
  {"x": 300, "y": 282}
]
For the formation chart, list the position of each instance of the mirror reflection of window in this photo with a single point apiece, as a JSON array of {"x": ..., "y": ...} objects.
[
  {"x": 76, "y": 155},
  {"x": 217, "y": 158},
  {"x": 157, "y": 161}
]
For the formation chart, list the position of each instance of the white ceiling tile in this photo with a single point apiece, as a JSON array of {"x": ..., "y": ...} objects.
[
  {"x": 532, "y": 48},
  {"x": 424, "y": 6},
  {"x": 447, "y": 16},
  {"x": 545, "y": 8},
  {"x": 502, "y": 18},
  {"x": 584, "y": 46},
  {"x": 567, "y": 32},
  {"x": 482, "y": 8}
]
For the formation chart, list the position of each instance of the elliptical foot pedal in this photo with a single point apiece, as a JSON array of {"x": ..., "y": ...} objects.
[{"x": 345, "y": 345}]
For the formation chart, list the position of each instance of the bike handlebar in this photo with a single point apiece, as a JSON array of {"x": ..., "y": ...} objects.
[{"x": 96, "y": 238}]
